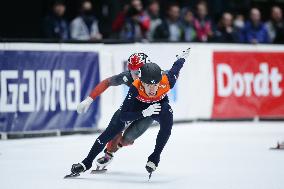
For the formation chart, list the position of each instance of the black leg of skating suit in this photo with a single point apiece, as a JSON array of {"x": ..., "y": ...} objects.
[
  {"x": 136, "y": 129},
  {"x": 115, "y": 126},
  {"x": 165, "y": 119}
]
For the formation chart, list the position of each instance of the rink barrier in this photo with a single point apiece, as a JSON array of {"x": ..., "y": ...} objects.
[
  {"x": 40, "y": 90},
  {"x": 192, "y": 99},
  {"x": 53, "y": 133},
  {"x": 271, "y": 119},
  {"x": 3, "y": 136},
  {"x": 58, "y": 133},
  {"x": 32, "y": 134}
]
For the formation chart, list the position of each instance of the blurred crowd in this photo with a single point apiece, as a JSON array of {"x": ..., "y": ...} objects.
[{"x": 140, "y": 21}]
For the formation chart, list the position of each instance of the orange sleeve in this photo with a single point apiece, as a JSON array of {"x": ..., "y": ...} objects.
[{"x": 100, "y": 88}]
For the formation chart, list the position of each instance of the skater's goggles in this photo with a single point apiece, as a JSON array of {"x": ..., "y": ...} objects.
[{"x": 135, "y": 72}]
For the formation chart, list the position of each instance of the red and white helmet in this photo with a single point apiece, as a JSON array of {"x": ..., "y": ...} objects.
[{"x": 136, "y": 61}]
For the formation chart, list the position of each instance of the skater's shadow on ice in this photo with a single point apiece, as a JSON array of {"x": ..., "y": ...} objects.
[{"x": 123, "y": 177}]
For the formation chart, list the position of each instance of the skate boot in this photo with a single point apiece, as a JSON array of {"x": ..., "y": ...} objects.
[
  {"x": 78, "y": 168},
  {"x": 105, "y": 160}
]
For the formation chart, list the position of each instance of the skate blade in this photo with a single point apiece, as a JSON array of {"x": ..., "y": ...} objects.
[
  {"x": 72, "y": 175},
  {"x": 98, "y": 171},
  {"x": 276, "y": 148}
]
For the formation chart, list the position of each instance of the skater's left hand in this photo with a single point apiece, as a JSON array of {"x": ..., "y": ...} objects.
[
  {"x": 150, "y": 166},
  {"x": 184, "y": 54},
  {"x": 84, "y": 105}
]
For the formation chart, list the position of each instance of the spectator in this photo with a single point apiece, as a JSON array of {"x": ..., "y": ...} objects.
[
  {"x": 120, "y": 18},
  {"x": 225, "y": 32},
  {"x": 170, "y": 29},
  {"x": 275, "y": 26},
  {"x": 131, "y": 28},
  {"x": 254, "y": 30},
  {"x": 155, "y": 20},
  {"x": 188, "y": 25},
  {"x": 132, "y": 22},
  {"x": 85, "y": 26},
  {"x": 202, "y": 23},
  {"x": 239, "y": 22},
  {"x": 55, "y": 26}
]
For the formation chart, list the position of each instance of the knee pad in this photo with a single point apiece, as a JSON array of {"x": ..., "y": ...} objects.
[
  {"x": 126, "y": 141},
  {"x": 112, "y": 146}
]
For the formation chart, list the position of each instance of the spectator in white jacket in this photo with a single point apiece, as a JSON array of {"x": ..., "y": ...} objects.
[{"x": 85, "y": 26}]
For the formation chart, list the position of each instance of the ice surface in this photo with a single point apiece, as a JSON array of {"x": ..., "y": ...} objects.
[{"x": 198, "y": 156}]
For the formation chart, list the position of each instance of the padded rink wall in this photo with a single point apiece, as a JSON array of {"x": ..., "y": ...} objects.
[{"x": 219, "y": 81}]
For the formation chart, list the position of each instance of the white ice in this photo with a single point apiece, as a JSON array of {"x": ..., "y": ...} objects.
[{"x": 198, "y": 156}]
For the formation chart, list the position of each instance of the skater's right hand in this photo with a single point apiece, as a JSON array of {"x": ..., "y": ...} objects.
[
  {"x": 84, "y": 105},
  {"x": 152, "y": 109}
]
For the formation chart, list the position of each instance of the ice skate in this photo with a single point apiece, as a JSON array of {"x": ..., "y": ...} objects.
[
  {"x": 103, "y": 162},
  {"x": 76, "y": 169},
  {"x": 279, "y": 146}
]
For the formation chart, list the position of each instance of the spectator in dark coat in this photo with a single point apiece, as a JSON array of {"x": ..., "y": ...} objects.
[
  {"x": 188, "y": 25},
  {"x": 275, "y": 25},
  {"x": 55, "y": 26},
  {"x": 153, "y": 11},
  {"x": 171, "y": 28},
  {"x": 254, "y": 30},
  {"x": 225, "y": 32}
]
